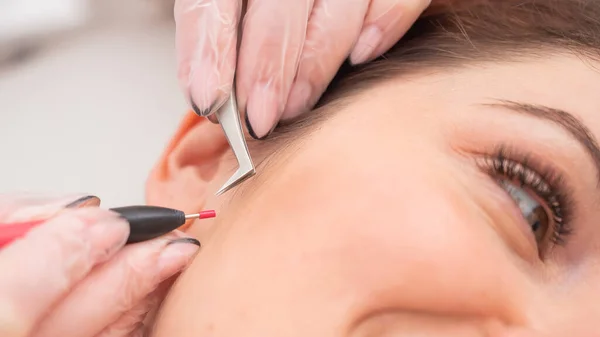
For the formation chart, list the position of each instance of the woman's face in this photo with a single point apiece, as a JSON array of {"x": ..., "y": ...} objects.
[{"x": 454, "y": 204}]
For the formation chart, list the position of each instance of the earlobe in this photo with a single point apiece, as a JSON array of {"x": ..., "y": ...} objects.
[{"x": 181, "y": 179}]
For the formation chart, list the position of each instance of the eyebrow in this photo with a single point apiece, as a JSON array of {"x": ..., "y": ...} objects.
[{"x": 562, "y": 118}]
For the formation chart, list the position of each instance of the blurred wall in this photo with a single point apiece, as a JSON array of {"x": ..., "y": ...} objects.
[{"x": 90, "y": 109}]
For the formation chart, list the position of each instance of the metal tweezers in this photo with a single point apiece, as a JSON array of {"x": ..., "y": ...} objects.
[{"x": 229, "y": 119}]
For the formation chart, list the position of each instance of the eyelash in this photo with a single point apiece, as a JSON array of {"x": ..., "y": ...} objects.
[{"x": 543, "y": 180}]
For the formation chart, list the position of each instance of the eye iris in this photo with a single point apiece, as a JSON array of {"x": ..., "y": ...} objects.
[
  {"x": 538, "y": 219},
  {"x": 534, "y": 213}
]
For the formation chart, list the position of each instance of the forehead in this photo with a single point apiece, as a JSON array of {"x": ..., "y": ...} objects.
[{"x": 565, "y": 82}]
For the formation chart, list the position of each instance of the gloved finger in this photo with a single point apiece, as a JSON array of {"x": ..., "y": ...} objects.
[
  {"x": 130, "y": 324},
  {"x": 274, "y": 33},
  {"x": 206, "y": 42},
  {"x": 332, "y": 31},
  {"x": 384, "y": 25},
  {"x": 116, "y": 287},
  {"x": 42, "y": 267},
  {"x": 139, "y": 320},
  {"x": 15, "y": 208}
]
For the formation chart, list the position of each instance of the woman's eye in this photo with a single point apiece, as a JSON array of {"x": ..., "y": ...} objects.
[{"x": 534, "y": 213}]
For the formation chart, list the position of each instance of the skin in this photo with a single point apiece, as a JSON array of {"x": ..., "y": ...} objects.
[{"x": 379, "y": 222}]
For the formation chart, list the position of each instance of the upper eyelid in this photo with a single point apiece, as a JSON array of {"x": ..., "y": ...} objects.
[{"x": 567, "y": 121}]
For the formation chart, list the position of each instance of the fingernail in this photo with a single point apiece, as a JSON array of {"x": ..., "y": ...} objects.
[
  {"x": 249, "y": 127},
  {"x": 185, "y": 240},
  {"x": 201, "y": 112},
  {"x": 109, "y": 231},
  {"x": 262, "y": 111},
  {"x": 86, "y": 201},
  {"x": 299, "y": 100},
  {"x": 177, "y": 255},
  {"x": 209, "y": 112},
  {"x": 368, "y": 41}
]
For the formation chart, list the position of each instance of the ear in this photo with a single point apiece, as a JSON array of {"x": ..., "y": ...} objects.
[{"x": 182, "y": 178}]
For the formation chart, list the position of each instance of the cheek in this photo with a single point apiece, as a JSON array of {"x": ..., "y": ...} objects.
[
  {"x": 411, "y": 238},
  {"x": 369, "y": 237}
]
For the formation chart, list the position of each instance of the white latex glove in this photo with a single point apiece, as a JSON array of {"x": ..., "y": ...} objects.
[
  {"x": 72, "y": 277},
  {"x": 289, "y": 52}
]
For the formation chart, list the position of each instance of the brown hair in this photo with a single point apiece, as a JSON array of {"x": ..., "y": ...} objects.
[
  {"x": 460, "y": 33},
  {"x": 457, "y": 33}
]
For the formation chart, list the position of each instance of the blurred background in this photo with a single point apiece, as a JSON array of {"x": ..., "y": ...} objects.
[{"x": 88, "y": 95}]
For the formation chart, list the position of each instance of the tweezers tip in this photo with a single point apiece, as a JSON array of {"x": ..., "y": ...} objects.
[{"x": 236, "y": 179}]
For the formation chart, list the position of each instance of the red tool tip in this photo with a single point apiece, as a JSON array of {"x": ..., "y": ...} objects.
[{"x": 207, "y": 214}]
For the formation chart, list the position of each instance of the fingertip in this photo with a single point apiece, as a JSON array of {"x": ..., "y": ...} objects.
[
  {"x": 198, "y": 111},
  {"x": 263, "y": 111},
  {"x": 300, "y": 100},
  {"x": 209, "y": 86},
  {"x": 176, "y": 255},
  {"x": 387, "y": 22},
  {"x": 209, "y": 111},
  {"x": 368, "y": 42}
]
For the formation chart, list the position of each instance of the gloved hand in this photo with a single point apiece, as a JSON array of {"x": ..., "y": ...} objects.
[
  {"x": 289, "y": 52},
  {"x": 72, "y": 277}
]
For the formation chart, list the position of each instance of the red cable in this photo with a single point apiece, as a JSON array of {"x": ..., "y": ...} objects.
[{"x": 13, "y": 231}]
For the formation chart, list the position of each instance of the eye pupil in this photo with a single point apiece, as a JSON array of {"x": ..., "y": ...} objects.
[
  {"x": 535, "y": 226},
  {"x": 539, "y": 222}
]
